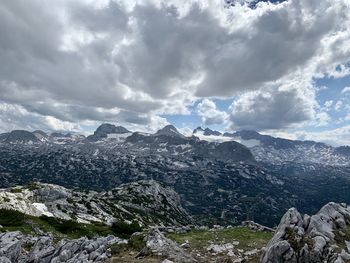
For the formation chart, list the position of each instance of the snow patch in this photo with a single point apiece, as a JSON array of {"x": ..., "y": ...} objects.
[
  {"x": 42, "y": 208},
  {"x": 212, "y": 138}
]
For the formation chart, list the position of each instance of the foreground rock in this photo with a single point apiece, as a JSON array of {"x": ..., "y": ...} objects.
[
  {"x": 16, "y": 247},
  {"x": 157, "y": 244},
  {"x": 323, "y": 237}
]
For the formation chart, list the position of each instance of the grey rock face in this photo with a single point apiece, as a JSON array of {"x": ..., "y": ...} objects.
[
  {"x": 311, "y": 239},
  {"x": 42, "y": 251},
  {"x": 45, "y": 251},
  {"x": 158, "y": 244},
  {"x": 10, "y": 245}
]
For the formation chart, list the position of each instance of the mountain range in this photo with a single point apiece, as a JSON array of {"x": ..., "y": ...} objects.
[{"x": 245, "y": 175}]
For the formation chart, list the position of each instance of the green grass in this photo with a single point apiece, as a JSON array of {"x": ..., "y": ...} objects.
[
  {"x": 342, "y": 235},
  {"x": 16, "y": 190},
  {"x": 15, "y": 221},
  {"x": 247, "y": 238},
  {"x": 297, "y": 243},
  {"x": 32, "y": 186}
]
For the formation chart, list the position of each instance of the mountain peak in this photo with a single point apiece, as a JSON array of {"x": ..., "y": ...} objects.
[
  {"x": 107, "y": 128},
  {"x": 104, "y": 129},
  {"x": 248, "y": 133},
  {"x": 21, "y": 136},
  {"x": 169, "y": 130},
  {"x": 198, "y": 129},
  {"x": 208, "y": 132}
]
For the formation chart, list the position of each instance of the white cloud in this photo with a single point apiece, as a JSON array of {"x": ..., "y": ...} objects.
[
  {"x": 338, "y": 105},
  {"x": 209, "y": 113},
  {"x": 322, "y": 119},
  {"x": 328, "y": 104},
  {"x": 345, "y": 90},
  {"x": 337, "y": 137}
]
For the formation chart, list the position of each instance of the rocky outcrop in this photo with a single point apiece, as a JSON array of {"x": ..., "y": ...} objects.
[
  {"x": 147, "y": 202},
  {"x": 19, "y": 248},
  {"x": 157, "y": 244},
  {"x": 323, "y": 237},
  {"x": 257, "y": 227}
]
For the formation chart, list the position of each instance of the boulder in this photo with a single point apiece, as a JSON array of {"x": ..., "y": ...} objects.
[
  {"x": 10, "y": 245},
  {"x": 310, "y": 239},
  {"x": 158, "y": 244}
]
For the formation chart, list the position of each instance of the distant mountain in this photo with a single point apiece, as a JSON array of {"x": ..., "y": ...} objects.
[
  {"x": 21, "y": 137},
  {"x": 269, "y": 149},
  {"x": 206, "y": 132},
  {"x": 169, "y": 142},
  {"x": 267, "y": 140},
  {"x": 198, "y": 130},
  {"x": 60, "y": 135},
  {"x": 244, "y": 174},
  {"x": 105, "y": 130},
  {"x": 169, "y": 130}
]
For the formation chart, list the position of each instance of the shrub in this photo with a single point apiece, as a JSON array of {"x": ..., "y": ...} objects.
[
  {"x": 16, "y": 190},
  {"x": 11, "y": 218},
  {"x": 64, "y": 226},
  {"x": 124, "y": 229},
  {"x": 32, "y": 186}
]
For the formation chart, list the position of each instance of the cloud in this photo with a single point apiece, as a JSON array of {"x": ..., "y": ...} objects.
[
  {"x": 209, "y": 113},
  {"x": 338, "y": 105},
  {"x": 345, "y": 90},
  {"x": 13, "y": 117},
  {"x": 337, "y": 137},
  {"x": 130, "y": 62},
  {"x": 328, "y": 104},
  {"x": 276, "y": 108}
]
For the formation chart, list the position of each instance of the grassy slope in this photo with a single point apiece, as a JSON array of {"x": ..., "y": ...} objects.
[{"x": 247, "y": 238}]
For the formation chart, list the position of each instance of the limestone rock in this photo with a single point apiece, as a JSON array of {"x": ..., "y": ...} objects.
[
  {"x": 310, "y": 239},
  {"x": 158, "y": 244}
]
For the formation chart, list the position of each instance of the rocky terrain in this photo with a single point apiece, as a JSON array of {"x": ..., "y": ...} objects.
[
  {"x": 146, "y": 202},
  {"x": 323, "y": 237},
  {"x": 144, "y": 222},
  {"x": 16, "y": 247},
  {"x": 171, "y": 244}
]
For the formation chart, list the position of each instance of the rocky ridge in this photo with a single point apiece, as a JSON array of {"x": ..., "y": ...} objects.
[{"x": 147, "y": 202}]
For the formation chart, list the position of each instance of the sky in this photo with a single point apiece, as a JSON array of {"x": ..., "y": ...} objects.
[{"x": 279, "y": 67}]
